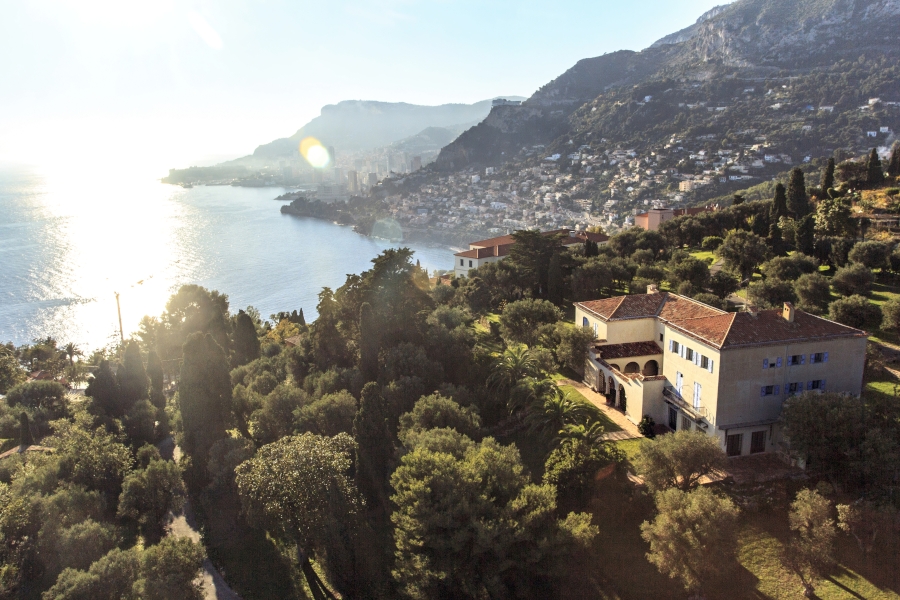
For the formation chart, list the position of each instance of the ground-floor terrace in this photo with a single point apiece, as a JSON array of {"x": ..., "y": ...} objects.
[{"x": 628, "y": 377}]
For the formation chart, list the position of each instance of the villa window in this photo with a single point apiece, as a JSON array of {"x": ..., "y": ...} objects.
[
  {"x": 470, "y": 264},
  {"x": 818, "y": 357},
  {"x": 685, "y": 423},
  {"x": 815, "y": 384},
  {"x": 734, "y": 444},
  {"x": 758, "y": 442},
  {"x": 674, "y": 346},
  {"x": 462, "y": 263},
  {"x": 770, "y": 390},
  {"x": 796, "y": 359},
  {"x": 704, "y": 362},
  {"x": 795, "y": 388},
  {"x": 689, "y": 354}
]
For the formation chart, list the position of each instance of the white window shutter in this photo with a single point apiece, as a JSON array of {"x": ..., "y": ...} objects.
[
  {"x": 670, "y": 345},
  {"x": 710, "y": 365}
]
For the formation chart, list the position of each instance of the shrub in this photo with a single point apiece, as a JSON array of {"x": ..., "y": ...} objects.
[
  {"x": 813, "y": 292},
  {"x": 711, "y": 242},
  {"x": 855, "y": 311},
  {"x": 853, "y": 280},
  {"x": 771, "y": 293},
  {"x": 871, "y": 254},
  {"x": 647, "y": 427}
]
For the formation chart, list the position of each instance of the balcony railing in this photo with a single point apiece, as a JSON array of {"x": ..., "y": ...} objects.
[{"x": 697, "y": 412}]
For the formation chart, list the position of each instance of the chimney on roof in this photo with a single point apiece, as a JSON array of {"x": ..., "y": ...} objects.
[
  {"x": 788, "y": 312},
  {"x": 652, "y": 288},
  {"x": 752, "y": 309}
]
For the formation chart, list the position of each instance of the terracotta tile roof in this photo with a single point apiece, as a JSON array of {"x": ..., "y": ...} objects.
[
  {"x": 501, "y": 250},
  {"x": 735, "y": 330},
  {"x": 491, "y": 242},
  {"x": 678, "y": 308},
  {"x": 642, "y": 306},
  {"x": 613, "y": 351},
  {"x": 603, "y": 308}
]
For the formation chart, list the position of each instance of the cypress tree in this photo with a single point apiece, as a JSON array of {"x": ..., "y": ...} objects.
[
  {"x": 204, "y": 397},
  {"x": 157, "y": 385},
  {"x": 25, "y": 437},
  {"x": 301, "y": 320},
  {"x": 894, "y": 165},
  {"x": 874, "y": 172},
  {"x": 797, "y": 201},
  {"x": 246, "y": 344},
  {"x": 779, "y": 203},
  {"x": 828, "y": 176},
  {"x": 103, "y": 389},
  {"x": 555, "y": 280},
  {"x": 775, "y": 241},
  {"x": 374, "y": 444},
  {"x": 806, "y": 235},
  {"x": 369, "y": 343},
  {"x": 134, "y": 384}
]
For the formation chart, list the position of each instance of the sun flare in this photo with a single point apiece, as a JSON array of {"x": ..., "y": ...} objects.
[{"x": 315, "y": 153}]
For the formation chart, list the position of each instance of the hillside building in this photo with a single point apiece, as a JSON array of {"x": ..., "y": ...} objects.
[
  {"x": 652, "y": 219},
  {"x": 495, "y": 249},
  {"x": 691, "y": 366}
]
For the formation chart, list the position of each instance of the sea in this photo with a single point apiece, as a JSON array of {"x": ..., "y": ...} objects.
[{"x": 70, "y": 241}]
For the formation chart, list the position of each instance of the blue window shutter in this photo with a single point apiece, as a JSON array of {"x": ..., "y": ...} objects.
[
  {"x": 778, "y": 362},
  {"x": 809, "y": 385},
  {"x": 822, "y": 386},
  {"x": 802, "y": 359},
  {"x": 765, "y": 363},
  {"x": 777, "y": 390},
  {"x": 584, "y": 322},
  {"x": 826, "y": 357},
  {"x": 762, "y": 391},
  {"x": 812, "y": 358}
]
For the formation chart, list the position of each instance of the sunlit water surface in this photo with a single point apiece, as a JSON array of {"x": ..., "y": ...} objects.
[{"x": 69, "y": 241}]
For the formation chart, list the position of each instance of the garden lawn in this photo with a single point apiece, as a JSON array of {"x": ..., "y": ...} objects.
[
  {"x": 617, "y": 566},
  {"x": 704, "y": 255}
]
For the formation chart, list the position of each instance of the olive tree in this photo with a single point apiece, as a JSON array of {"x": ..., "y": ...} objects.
[{"x": 678, "y": 460}]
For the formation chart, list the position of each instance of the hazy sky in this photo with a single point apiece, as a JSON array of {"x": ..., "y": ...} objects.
[{"x": 162, "y": 82}]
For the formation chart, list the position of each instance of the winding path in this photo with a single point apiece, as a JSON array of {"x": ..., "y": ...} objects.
[{"x": 184, "y": 525}]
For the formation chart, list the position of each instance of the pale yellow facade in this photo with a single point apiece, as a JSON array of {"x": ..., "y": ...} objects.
[{"x": 733, "y": 391}]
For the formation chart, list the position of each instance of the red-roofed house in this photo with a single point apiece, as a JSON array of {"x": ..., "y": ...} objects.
[
  {"x": 494, "y": 249},
  {"x": 691, "y": 366},
  {"x": 652, "y": 219}
]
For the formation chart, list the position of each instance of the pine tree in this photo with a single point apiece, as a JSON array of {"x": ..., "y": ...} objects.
[
  {"x": 134, "y": 384},
  {"x": 555, "y": 280},
  {"x": 779, "y": 203},
  {"x": 25, "y": 437},
  {"x": 874, "y": 172},
  {"x": 738, "y": 200},
  {"x": 369, "y": 343},
  {"x": 797, "y": 200},
  {"x": 246, "y": 343},
  {"x": 894, "y": 165},
  {"x": 828, "y": 177}
]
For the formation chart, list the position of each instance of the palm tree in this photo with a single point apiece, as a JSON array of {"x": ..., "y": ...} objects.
[
  {"x": 70, "y": 350},
  {"x": 554, "y": 413},
  {"x": 591, "y": 432},
  {"x": 515, "y": 363}
]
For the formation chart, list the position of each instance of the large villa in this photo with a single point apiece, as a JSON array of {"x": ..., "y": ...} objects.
[{"x": 691, "y": 366}]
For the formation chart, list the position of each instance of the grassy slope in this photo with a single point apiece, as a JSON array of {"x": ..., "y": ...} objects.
[{"x": 608, "y": 424}]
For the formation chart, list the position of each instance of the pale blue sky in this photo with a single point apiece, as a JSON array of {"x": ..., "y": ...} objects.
[{"x": 166, "y": 81}]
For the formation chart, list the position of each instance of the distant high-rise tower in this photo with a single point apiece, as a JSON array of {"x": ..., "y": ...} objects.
[
  {"x": 373, "y": 180},
  {"x": 416, "y": 163},
  {"x": 338, "y": 175},
  {"x": 332, "y": 155},
  {"x": 352, "y": 182}
]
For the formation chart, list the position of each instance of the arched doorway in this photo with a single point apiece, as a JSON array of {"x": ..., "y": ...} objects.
[
  {"x": 651, "y": 368},
  {"x": 616, "y": 367},
  {"x": 632, "y": 367},
  {"x": 621, "y": 399},
  {"x": 611, "y": 392}
]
